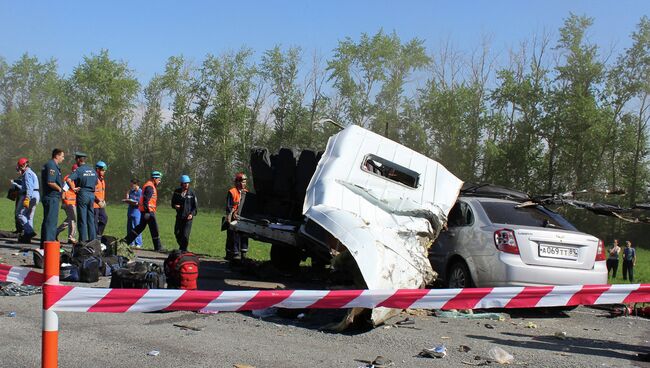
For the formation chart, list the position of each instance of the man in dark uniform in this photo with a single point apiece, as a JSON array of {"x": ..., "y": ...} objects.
[
  {"x": 185, "y": 204},
  {"x": 52, "y": 189},
  {"x": 84, "y": 180},
  {"x": 148, "y": 205}
]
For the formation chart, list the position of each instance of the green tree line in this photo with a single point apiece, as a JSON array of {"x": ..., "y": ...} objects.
[{"x": 549, "y": 115}]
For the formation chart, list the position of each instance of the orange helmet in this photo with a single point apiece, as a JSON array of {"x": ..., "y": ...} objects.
[{"x": 239, "y": 177}]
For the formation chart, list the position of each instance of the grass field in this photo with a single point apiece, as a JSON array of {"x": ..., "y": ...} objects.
[{"x": 207, "y": 239}]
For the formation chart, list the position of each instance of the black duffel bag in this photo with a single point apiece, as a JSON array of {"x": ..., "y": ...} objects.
[{"x": 138, "y": 275}]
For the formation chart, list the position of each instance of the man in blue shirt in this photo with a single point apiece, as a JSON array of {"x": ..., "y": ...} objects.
[
  {"x": 29, "y": 198},
  {"x": 629, "y": 261},
  {"x": 133, "y": 213},
  {"x": 52, "y": 189},
  {"x": 84, "y": 179}
]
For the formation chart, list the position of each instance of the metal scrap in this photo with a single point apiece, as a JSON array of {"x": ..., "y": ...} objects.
[{"x": 12, "y": 289}]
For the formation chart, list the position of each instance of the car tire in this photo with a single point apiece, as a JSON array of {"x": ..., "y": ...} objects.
[
  {"x": 458, "y": 276},
  {"x": 285, "y": 258}
]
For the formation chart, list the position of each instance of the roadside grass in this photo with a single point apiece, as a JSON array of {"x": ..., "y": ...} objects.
[
  {"x": 641, "y": 270},
  {"x": 206, "y": 237}
]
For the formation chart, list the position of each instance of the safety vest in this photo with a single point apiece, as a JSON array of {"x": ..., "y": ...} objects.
[
  {"x": 100, "y": 191},
  {"x": 69, "y": 196},
  {"x": 154, "y": 197},
  {"x": 236, "y": 196}
]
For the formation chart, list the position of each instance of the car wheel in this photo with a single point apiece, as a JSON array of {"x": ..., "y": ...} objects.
[
  {"x": 285, "y": 258},
  {"x": 458, "y": 276}
]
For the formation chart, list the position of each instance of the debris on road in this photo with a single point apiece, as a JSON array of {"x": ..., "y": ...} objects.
[
  {"x": 265, "y": 313},
  {"x": 186, "y": 327},
  {"x": 500, "y": 356},
  {"x": 13, "y": 289},
  {"x": 238, "y": 365},
  {"x": 153, "y": 353},
  {"x": 531, "y": 325},
  {"x": 561, "y": 335},
  {"x": 378, "y": 362},
  {"x": 464, "y": 348},
  {"x": 489, "y": 326},
  {"x": 460, "y": 315},
  {"x": 439, "y": 351},
  {"x": 11, "y": 314}
]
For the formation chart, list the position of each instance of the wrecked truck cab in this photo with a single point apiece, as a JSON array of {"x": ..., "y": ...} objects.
[{"x": 368, "y": 198}]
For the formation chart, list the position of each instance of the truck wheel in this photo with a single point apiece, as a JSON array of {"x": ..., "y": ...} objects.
[
  {"x": 285, "y": 258},
  {"x": 458, "y": 276}
]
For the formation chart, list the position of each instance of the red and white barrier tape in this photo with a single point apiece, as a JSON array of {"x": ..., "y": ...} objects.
[
  {"x": 20, "y": 275},
  {"x": 62, "y": 298},
  {"x": 77, "y": 299}
]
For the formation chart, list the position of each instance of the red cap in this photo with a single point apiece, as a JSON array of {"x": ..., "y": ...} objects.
[{"x": 22, "y": 161}]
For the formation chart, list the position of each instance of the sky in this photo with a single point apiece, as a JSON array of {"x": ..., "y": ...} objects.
[{"x": 146, "y": 33}]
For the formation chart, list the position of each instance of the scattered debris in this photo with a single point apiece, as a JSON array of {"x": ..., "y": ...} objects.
[
  {"x": 464, "y": 348},
  {"x": 239, "y": 365},
  {"x": 207, "y": 311},
  {"x": 531, "y": 325},
  {"x": 560, "y": 335},
  {"x": 439, "y": 351},
  {"x": 186, "y": 327},
  {"x": 489, "y": 326},
  {"x": 153, "y": 353},
  {"x": 300, "y": 316},
  {"x": 378, "y": 362},
  {"x": 460, "y": 315},
  {"x": 264, "y": 313},
  {"x": 500, "y": 356},
  {"x": 445, "y": 337},
  {"x": 479, "y": 363},
  {"x": 405, "y": 321},
  {"x": 13, "y": 289},
  {"x": 11, "y": 314}
]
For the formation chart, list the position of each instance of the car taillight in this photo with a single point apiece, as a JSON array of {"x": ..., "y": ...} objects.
[
  {"x": 505, "y": 241},
  {"x": 600, "y": 253}
]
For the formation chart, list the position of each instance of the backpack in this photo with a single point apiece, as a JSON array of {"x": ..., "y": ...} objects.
[
  {"x": 182, "y": 270},
  {"x": 88, "y": 268},
  {"x": 90, "y": 248},
  {"x": 138, "y": 275}
]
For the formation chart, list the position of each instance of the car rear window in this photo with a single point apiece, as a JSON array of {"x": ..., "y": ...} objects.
[{"x": 509, "y": 213}]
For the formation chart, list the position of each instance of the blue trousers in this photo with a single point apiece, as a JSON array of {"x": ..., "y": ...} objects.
[
  {"x": 86, "y": 216},
  {"x": 133, "y": 220},
  {"x": 50, "y": 218}
]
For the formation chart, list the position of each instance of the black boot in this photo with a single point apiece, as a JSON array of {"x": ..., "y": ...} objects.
[{"x": 157, "y": 245}]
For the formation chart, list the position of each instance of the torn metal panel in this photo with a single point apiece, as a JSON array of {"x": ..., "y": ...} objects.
[{"x": 385, "y": 203}]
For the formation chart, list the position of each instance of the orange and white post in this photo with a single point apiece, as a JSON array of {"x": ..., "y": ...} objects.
[{"x": 50, "y": 343}]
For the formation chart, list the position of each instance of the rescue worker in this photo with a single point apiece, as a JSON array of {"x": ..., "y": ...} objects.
[
  {"x": 236, "y": 243},
  {"x": 69, "y": 206},
  {"x": 147, "y": 206},
  {"x": 133, "y": 213},
  {"x": 185, "y": 203},
  {"x": 84, "y": 181},
  {"x": 99, "y": 204},
  {"x": 29, "y": 198},
  {"x": 52, "y": 189}
]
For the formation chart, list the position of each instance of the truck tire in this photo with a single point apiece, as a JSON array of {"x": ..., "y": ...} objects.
[{"x": 285, "y": 258}]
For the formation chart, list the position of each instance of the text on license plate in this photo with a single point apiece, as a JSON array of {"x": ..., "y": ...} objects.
[{"x": 551, "y": 251}]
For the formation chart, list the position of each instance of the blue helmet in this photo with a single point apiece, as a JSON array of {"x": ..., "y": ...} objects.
[
  {"x": 101, "y": 165},
  {"x": 156, "y": 175},
  {"x": 185, "y": 179}
]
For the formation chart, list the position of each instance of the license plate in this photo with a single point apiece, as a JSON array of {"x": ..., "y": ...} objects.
[{"x": 551, "y": 251}]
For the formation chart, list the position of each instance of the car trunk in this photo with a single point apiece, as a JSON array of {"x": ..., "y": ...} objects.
[{"x": 556, "y": 248}]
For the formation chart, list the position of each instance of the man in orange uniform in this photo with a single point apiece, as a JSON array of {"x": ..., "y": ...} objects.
[
  {"x": 236, "y": 243},
  {"x": 101, "y": 218},
  {"x": 147, "y": 206},
  {"x": 69, "y": 206}
]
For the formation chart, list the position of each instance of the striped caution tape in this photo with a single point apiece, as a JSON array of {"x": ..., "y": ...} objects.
[
  {"x": 77, "y": 299},
  {"x": 20, "y": 275}
]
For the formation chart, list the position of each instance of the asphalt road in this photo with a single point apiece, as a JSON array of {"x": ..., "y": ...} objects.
[{"x": 188, "y": 339}]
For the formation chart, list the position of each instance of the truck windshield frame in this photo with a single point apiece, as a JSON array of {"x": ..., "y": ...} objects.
[{"x": 391, "y": 171}]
